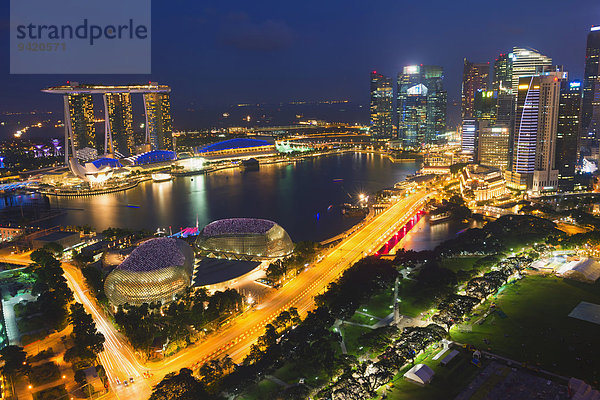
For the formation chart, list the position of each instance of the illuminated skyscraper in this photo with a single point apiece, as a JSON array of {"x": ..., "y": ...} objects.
[
  {"x": 81, "y": 110},
  {"x": 382, "y": 98},
  {"x": 493, "y": 146},
  {"x": 469, "y": 138},
  {"x": 534, "y": 166},
  {"x": 502, "y": 81},
  {"x": 421, "y": 105},
  {"x": 485, "y": 105},
  {"x": 159, "y": 129},
  {"x": 526, "y": 62},
  {"x": 590, "y": 117},
  {"x": 120, "y": 122},
  {"x": 475, "y": 78},
  {"x": 567, "y": 140}
]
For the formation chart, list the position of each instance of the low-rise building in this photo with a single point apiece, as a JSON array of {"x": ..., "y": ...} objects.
[{"x": 482, "y": 183}]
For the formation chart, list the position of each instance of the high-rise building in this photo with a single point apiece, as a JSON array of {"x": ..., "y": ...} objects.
[
  {"x": 475, "y": 78},
  {"x": 493, "y": 146},
  {"x": 120, "y": 122},
  {"x": 382, "y": 108},
  {"x": 81, "y": 110},
  {"x": 534, "y": 166},
  {"x": 568, "y": 131},
  {"x": 421, "y": 105},
  {"x": 502, "y": 81},
  {"x": 527, "y": 62},
  {"x": 159, "y": 129},
  {"x": 485, "y": 106},
  {"x": 590, "y": 116},
  {"x": 469, "y": 138}
]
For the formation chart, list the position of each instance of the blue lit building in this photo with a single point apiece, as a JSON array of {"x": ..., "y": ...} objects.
[
  {"x": 154, "y": 156},
  {"x": 237, "y": 148},
  {"x": 421, "y": 105}
]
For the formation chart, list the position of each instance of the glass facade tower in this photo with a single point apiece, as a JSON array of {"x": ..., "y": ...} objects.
[
  {"x": 590, "y": 116},
  {"x": 421, "y": 102},
  {"x": 382, "y": 98},
  {"x": 475, "y": 78}
]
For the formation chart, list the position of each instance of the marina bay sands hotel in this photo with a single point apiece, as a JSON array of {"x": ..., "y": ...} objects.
[{"x": 118, "y": 139}]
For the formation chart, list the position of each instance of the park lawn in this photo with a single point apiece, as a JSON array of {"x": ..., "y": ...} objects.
[
  {"x": 447, "y": 382},
  {"x": 459, "y": 263},
  {"x": 537, "y": 329},
  {"x": 380, "y": 304},
  {"x": 363, "y": 319},
  {"x": 262, "y": 390},
  {"x": 53, "y": 393},
  {"x": 351, "y": 333},
  {"x": 44, "y": 373}
]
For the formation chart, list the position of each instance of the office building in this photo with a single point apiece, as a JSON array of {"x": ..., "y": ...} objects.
[
  {"x": 475, "y": 79},
  {"x": 470, "y": 131},
  {"x": 568, "y": 131},
  {"x": 485, "y": 106},
  {"x": 159, "y": 130},
  {"x": 493, "y": 146},
  {"x": 382, "y": 98},
  {"x": 81, "y": 111},
  {"x": 590, "y": 115},
  {"x": 502, "y": 81},
  {"x": 534, "y": 149},
  {"x": 526, "y": 62},
  {"x": 120, "y": 123},
  {"x": 421, "y": 102}
]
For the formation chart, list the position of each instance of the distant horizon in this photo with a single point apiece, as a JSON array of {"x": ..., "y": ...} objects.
[{"x": 215, "y": 54}]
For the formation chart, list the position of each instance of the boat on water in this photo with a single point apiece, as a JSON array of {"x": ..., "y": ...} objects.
[
  {"x": 161, "y": 177},
  {"x": 353, "y": 211},
  {"x": 438, "y": 218}
]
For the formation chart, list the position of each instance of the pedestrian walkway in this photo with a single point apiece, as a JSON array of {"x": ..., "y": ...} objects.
[{"x": 10, "y": 319}]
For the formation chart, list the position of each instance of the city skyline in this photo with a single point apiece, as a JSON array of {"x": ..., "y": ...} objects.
[{"x": 275, "y": 48}]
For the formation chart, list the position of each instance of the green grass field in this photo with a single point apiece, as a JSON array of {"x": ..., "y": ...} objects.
[
  {"x": 446, "y": 384},
  {"x": 537, "y": 329},
  {"x": 459, "y": 263}
]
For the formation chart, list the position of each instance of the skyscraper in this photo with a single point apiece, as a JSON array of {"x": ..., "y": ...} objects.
[
  {"x": 534, "y": 166},
  {"x": 159, "y": 129},
  {"x": 382, "y": 98},
  {"x": 568, "y": 128},
  {"x": 421, "y": 105},
  {"x": 493, "y": 146},
  {"x": 469, "y": 138},
  {"x": 526, "y": 62},
  {"x": 475, "y": 78},
  {"x": 120, "y": 122},
  {"x": 590, "y": 116},
  {"x": 485, "y": 106},
  {"x": 81, "y": 110},
  {"x": 502, "y": 81}
]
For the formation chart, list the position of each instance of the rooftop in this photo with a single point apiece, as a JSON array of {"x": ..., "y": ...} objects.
[
  {"x": 154, "y": 254},
  {"x": 237, "y": 226},
  {"x": 238, "y": 143},
  {"x": 54, "y": 236}
]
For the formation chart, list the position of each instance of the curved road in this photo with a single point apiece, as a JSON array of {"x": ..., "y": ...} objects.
[{"x": 235, "y": 339}]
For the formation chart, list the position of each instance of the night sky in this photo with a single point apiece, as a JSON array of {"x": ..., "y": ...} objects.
[{"x": 214, "y": 53}]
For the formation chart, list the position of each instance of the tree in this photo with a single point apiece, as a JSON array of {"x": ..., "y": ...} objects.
[
  {"x": 15, "y": 360},
  {"x": 55, "y": 248},
  {"x": 88, "y": 341},
  {"x": 181, "y": 386}
]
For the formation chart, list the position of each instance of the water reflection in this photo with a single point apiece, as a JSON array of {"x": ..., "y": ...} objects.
[{"x": 295, "y": 196}]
